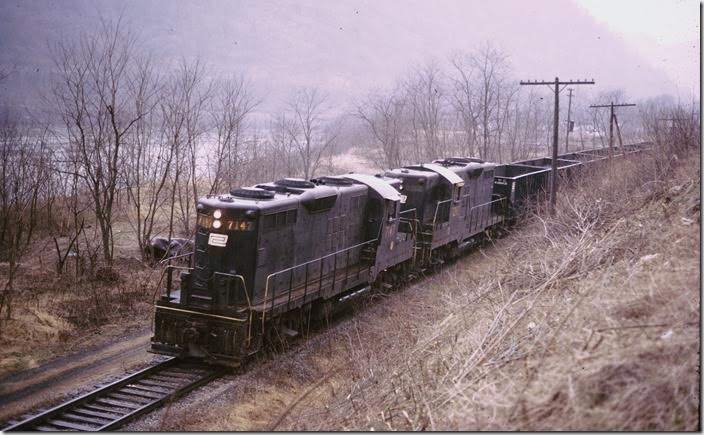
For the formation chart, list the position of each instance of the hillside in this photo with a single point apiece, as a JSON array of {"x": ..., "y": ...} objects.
[
  {"x": 344, "y": 47},
  {"x": 588, "y": 320}
]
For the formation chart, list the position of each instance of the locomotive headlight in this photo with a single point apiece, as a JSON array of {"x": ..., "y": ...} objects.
[
  {"x": 217, "y": 214},
  {"x": 217, "y": 224}
]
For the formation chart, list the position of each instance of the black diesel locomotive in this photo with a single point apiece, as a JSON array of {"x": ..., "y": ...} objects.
[{"x": 269, "y": 258}]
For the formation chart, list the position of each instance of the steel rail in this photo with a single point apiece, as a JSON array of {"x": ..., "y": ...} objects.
[{"x": 120, "y": 402}]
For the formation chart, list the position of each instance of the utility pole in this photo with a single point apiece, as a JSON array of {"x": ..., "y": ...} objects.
[
  {"x": 569, "y": 121},
  {"x": 612, "y": 119},
  {"x": 555, "y": 87}
]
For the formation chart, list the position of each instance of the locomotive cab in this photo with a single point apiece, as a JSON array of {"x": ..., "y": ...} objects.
[
  {"x": 223, "y": 264},
  {"x": 451, "y": 199}
]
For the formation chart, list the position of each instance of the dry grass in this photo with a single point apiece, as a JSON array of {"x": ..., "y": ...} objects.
[
  {"x": 53, "y": 314},
  {"x": 588, "y": 320}
]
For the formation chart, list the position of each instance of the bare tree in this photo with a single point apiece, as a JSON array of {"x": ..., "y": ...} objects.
[
  {"x": 23, "y": 171},
  {"x": 311, "y": 135},
  {"x": 4, "y": 73},
  {"x": 183, "y": 103},
  {"x": 74, "y": 201},
  {"x": 490, "y": 65},
  {"x": 505, "y": 96},
  {"x": 146, "y": 160},
  {"x": 482, "y": 97},
  {"x": 673, "y": 128},
  {"x": 425, "y": 96},
  {"x": 97, "y": 79},
  {"x": 198, "y": 93},
  {"x": 262, "y": 160},
  {"x": 282, "y": 146},
  {"x": 515, "y": 127},
  {"x": 231, "y": 105},
  {"x": 464, "y": 101},
  {"x": 383, "y": 116}
]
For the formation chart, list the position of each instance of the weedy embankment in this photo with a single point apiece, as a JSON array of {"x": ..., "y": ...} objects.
[{"x": 585, "y": 320}]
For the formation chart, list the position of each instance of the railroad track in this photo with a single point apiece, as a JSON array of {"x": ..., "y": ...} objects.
[{"x": 112, "y": 406}]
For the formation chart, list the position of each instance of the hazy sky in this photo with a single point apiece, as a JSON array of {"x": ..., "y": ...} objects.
[
  {"x": 665, "y": 32},
  {"x": 348, "y": 47}
]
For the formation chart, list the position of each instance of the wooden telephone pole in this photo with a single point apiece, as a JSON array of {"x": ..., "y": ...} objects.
[
  {"x": 612, "y": 119},
  {"x": 569, "y": 120},
  {"x": 555, "y": 87}
]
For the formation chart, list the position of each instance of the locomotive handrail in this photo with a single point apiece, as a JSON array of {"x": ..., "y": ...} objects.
[
  {"x": 320, "y": 259},
  {"x": 249, "y": 303},
  {"x": 437, "y": 207},
  {"x": 268, "y": 278},
  {"x": 502, "y": 200},
  {"x": 168, "y": 270},
  {"x": 414, "y": 210},
  {"x": 469, "y": 212},
  {"x": 487, "y": 203},
  {"x": 413, "y": 220}
]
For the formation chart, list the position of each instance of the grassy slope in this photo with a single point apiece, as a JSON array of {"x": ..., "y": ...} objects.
[{"x": 589, "y": 320}]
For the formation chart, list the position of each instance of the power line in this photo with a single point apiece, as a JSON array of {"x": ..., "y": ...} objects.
[{"x": 555, "y": 87}]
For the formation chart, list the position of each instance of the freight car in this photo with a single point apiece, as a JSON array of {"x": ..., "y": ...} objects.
[{"x": 270, "y": 258}]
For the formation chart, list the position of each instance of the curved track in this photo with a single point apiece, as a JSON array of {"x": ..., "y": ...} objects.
[{"x": 112, "y": 406}]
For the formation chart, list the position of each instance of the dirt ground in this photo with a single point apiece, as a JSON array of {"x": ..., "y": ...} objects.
[
  {"x": 73, "y": 374},
  {"x": 67, "y": 335}
]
